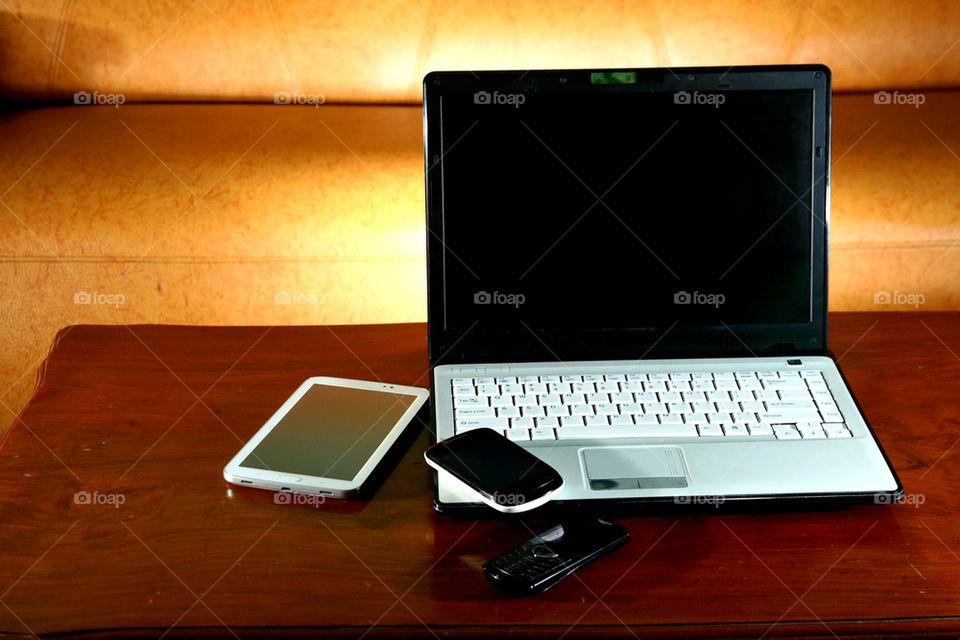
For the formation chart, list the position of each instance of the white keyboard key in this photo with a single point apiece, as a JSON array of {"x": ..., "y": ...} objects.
[
  {"x": 658, "y": 377},
  {"x": 501, "y": 401},
  {"x": 816, "y": 375},
  {"x": 752, "y": 407},
  {"x": 670, "y": 396},
  {"x": 476, "y": 423},
  {"x": 537, "y": 388},
  {"x": 671, "y": 418},
  {"x": 528, "y": 379},
  {"x": 505, "y": 412},
  {"x": 511, "y": 389},
  {"x": 694, "y": 418},
  {"x": 835, "y": 431},
  {"x": 767, "y": 394},
  {"x": 550, "y": 379},
  {"x": 704, "y": 407},
  {"x": 735, "y": 430},
  {"x": 574, "y": 398},
  {"x": 518, "y": 434},
  {"x": 725, "y": 385},
  {"x": 695, "y": 396},
  {"x": 648, "y": 420},
  {"x": 583, "y": 387},
  {"x": 542, "y": 433},
  {"x": 615, "y": 377},
  {"x": 728, "y": 407},
  {"x": 654, "y": 407},
  {"x": 548, "y": 422},
  {"x": 581, "y": 410},
  {"x": 522, "y": 423},
  {"x": 709, "y": 430},
  {"x": 549, "y": 398},
  {"x": 797, "y": 416},
  {"x": 488, "y": 390},
  {"x": 701, "y": 375},
  {"x": 621, "y": 398},
  {"x": 718, "y": 396},
  {"x": 744, "y": 418},
  {"x": 760, "y": 429},
  {"x": 702, "y": 385},
  {"x": 532, "y": 412},
  {"x": 461, "y": 391},
  {"x": 570, "y": 421},
  {"x": 781, "y": 383},
  {"x": 608, "y": 387},
  {"x": 655, "y": 385},
  {"x": 474, "y": 412},
  {"x": 789, "y": 373},
  {"x": 678, "y": 407},
  {"x": 786, "y": 432},
  {"x": 678, "y": 385},
  {"x": 789, "y": 406},
  {"x": 646, "y": 397},
  {"x": 462, "y": 382},
  {"x": 470, "y": 402},
  {"x": 636, "y": 377},
  {"x": 560, "y": 388},
  {"x": 716, "y": 418},
  {"x": 750, "y": 384},
  {"x": 571, "y": 379},
  {"x": 741, "y": 396},
  {"x": 811, "y": 431},
  {"x": 606, "y": 409},
  {"x": 832, "y": 416},
  {"x": 596, "y": 421},
  {"x": 621, "y": 420},
  {"x": 506, "y": 380},
  {"x": 557, "y": 410},
  {"x": 598, "y": 398},
  {"x": 593, "y": 377},
  {"x": 479, "y": 381},
  {"x": 526, "y": 401},
  {"x": 795, "y": 394},
  {"x": 589, "y": 433},
  {"x": 631, "y": 386}
]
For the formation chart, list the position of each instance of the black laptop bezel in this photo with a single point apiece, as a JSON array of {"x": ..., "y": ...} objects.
[{"x": 479, "y": 344}]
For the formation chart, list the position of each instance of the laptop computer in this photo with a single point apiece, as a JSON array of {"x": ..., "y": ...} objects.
[{"x": 628, "y": 277}]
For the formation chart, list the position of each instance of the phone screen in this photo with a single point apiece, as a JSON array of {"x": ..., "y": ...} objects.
[
  {"x": 330, "y": 432},
  {"x": 491, "y": 464}
]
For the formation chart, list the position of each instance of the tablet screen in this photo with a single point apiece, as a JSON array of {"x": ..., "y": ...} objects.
[{"x": 330, "y": 433}]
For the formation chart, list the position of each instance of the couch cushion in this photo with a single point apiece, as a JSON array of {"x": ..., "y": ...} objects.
[{"x": 353, "y": 51}]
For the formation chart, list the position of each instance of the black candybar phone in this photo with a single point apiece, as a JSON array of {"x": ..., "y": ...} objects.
[
  {"x": 546, "y": 559},
  {"x": 503, "y": 474}
]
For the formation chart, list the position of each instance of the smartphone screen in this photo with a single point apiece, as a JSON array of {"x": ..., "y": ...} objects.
[
  {"x": 493, "y": 465},
  {"x": 330, "y": 432}
]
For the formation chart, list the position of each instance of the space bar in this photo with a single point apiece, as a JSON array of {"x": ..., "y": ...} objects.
[{"x": 644, "y": 431}]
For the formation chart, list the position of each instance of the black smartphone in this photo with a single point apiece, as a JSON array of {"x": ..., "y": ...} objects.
[
  {"x": 546, "y": 559},
  {"x": 503, "y": 474}
]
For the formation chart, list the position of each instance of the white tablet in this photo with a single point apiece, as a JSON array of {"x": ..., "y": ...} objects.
[{"x": 327, "y": 437}]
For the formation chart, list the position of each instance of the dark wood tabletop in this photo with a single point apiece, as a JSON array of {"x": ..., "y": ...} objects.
[{"x": 116, "y": 520}]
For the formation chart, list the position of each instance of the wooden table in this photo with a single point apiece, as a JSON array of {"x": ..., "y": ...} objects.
[{"x": 117, "y": 523}]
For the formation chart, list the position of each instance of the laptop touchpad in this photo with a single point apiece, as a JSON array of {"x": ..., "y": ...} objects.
[{"x": 634, "y": 468}]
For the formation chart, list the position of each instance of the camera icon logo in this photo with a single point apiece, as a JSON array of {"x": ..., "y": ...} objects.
[
  {"x": 882, "y": 97},
  {"x": 881, "y": 297},
  {"x": 82, "y": 297},
  {"x": 281, "y": 97},
  {"x": 482, "y": 297},
  {"x": 82, "y": 97},
  {"x": 481, "y": 97},
  {"x": 682, "y": 297},
  {"x": 681, "y": 97},
  {"x": 283, "y": 497},
  {"x": 81, "y": 497}
]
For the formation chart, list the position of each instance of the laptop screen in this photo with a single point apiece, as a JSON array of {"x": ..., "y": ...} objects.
[{"x": 605, "y": 210}]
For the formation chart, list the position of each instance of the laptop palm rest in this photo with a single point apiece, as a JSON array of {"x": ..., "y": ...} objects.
[{"x": 643, "y": 467}]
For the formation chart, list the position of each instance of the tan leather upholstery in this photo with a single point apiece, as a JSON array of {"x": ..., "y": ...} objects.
[
  {"x": 274, "y": 214},
  {"x": 352, "y": 51}
]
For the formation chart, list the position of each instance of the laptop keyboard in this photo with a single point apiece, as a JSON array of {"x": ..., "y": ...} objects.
[{"x": 783, "y": 405}]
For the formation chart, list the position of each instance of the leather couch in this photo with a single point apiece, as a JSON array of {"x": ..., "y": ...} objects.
[{"x": 217, "y": 162}]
